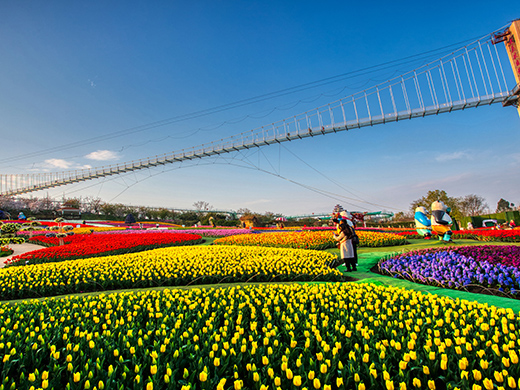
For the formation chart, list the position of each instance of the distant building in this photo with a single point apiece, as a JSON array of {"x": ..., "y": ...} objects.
[{"x": 68, "y": 212}]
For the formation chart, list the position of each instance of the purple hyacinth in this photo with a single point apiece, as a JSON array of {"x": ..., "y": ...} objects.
[{"x": 456, "y": 267}]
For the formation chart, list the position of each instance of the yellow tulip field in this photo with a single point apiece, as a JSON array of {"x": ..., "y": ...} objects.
[
  {"x": 309, "y": 239},
  {"x": 172, "y": 266},
  {"x": 271, "y": 314},
  {"x": 291, "y": 336}
]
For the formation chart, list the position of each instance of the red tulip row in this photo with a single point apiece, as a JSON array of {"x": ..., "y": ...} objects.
[{"x": 81, "y": 245}]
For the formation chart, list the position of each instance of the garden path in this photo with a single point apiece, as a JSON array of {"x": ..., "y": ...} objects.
[{"x": 18, "y": 250}]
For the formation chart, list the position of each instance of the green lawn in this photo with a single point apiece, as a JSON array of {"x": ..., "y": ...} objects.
[{"x": 368, "y": 257}]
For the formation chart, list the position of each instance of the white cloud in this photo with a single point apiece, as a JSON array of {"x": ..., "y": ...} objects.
[
  {"x": 453, "y": 156},
  {"x": 103, "y": 155},
  {"x": 58, "y": 163}
]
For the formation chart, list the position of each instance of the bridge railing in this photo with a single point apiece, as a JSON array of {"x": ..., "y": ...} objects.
[{"x": 468, "y": 77}]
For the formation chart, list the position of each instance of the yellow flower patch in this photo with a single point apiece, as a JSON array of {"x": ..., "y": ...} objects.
[
  {"x": 263, "y": 336},
  {"x": 167, "y": 267},
  {"x": 309, "y": 239}
]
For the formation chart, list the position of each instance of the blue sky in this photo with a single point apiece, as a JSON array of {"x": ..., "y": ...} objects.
[{"x": 91, "y": 73}]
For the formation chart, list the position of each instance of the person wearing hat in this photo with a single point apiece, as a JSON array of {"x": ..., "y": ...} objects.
[
  {"x": 347, "y": 216},
  {"x": 344, "y": 237}
]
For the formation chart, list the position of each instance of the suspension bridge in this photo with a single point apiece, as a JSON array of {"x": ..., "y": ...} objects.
[{"x": 475, "y": 75}]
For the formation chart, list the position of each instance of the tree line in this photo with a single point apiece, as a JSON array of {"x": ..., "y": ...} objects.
[
  {"x": 92, "y": 208},
  {"x": 465, "y": 206}
]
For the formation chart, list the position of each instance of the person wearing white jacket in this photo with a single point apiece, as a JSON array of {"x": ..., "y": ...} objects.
[{"x": 343, "y": 235}]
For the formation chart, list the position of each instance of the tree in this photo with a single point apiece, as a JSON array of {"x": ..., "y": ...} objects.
[
  {"x": 116, "y": 210},
  {"x": 503, "y": 205},
  {"x": 7, "y": 203},
  {"x": 129, "y": 219},
  {"x": 402, "y": 216},
  {"x": 441, "y": 195},
  {"x": 165, "y": 214},
  {"x": 71, "y": 202},
  {"x": 472, "y": 205},
  {"x": 202, "y": 206},
  {"x": 34, "y": 204},
  {"x": 266, "y": 218},
  {"x": 244, "y": 211},
  {"x": 48, "y": 204},
  {"x": 187, "y": 218},
  {"x": 91, "y": 205}
]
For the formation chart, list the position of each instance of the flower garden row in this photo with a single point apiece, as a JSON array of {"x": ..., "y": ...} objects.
[
  {"x": 110, "y": 229},
  {"x": 175, "y": 266},
  {"x": 326, "y": 336},
  {"x": 479, "y": 235},
  {"x": 490, "y": 266},
  {"x": 5, "y": 250},
  {"x": 309, "y": 239},
  {"x": 99, "y": 244},
  {"x": 270, "y": 336},
  {"x": 81, "y": 246},
  {"x": 201, "y": 232}
]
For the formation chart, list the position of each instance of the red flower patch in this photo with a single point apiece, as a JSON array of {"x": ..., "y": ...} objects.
[{"x": 93, "y": 245}]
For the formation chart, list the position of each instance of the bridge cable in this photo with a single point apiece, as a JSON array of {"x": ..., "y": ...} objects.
[
  {"x": 251, "y": 166},
  {"x": 328, "y": 178},
  {"x": 224, "y": 107},
  {"x": 314, "y": 189}
]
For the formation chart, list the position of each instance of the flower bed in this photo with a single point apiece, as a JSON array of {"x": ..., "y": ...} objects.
[
  {"x": 80, "y": 230},
  {"x": 167, "y": 267},
  {"x": 201, "y": 232},
  {"x": 479, "y": 235},
  {"x": 309, "y": 239},
  {"x": 5, "y": 251},
  {"x": 123, "y": 224},
  {"x": 96, "y": 229},
  {"x": 378, "y": 239},
  {"x": 46, "y": 223},
  {"x": 81, "y": 246},
  {"x": 293, "y": 336},
  {"x": 490, "y": 266},
  {"x": 12, "y": 240}
]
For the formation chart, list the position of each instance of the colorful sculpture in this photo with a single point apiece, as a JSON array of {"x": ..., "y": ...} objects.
[
  {"x": 422, "y": 222},
  {"x": 441, "y": 220}
]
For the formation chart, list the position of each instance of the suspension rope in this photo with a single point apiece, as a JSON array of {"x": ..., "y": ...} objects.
[{"x": 322, "y": 120}]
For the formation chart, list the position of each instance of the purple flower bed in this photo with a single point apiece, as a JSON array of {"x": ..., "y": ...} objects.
[
  {"x": 318, "y": 228},
  {"x": 31, "y": 233},
  {"x": 487, "y": 265},
  {"x": 201, "y": 232}
]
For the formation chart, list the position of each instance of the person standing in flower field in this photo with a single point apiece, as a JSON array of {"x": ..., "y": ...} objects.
[
  {"x": 349, "y": 218},
  {"x": 344, "y": 233}
]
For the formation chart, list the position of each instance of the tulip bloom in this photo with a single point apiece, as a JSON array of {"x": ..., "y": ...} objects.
[{"x": 477, "y": 375}]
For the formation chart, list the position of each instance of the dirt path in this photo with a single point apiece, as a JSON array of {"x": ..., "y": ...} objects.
[{"x": 18, "y": 250}]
